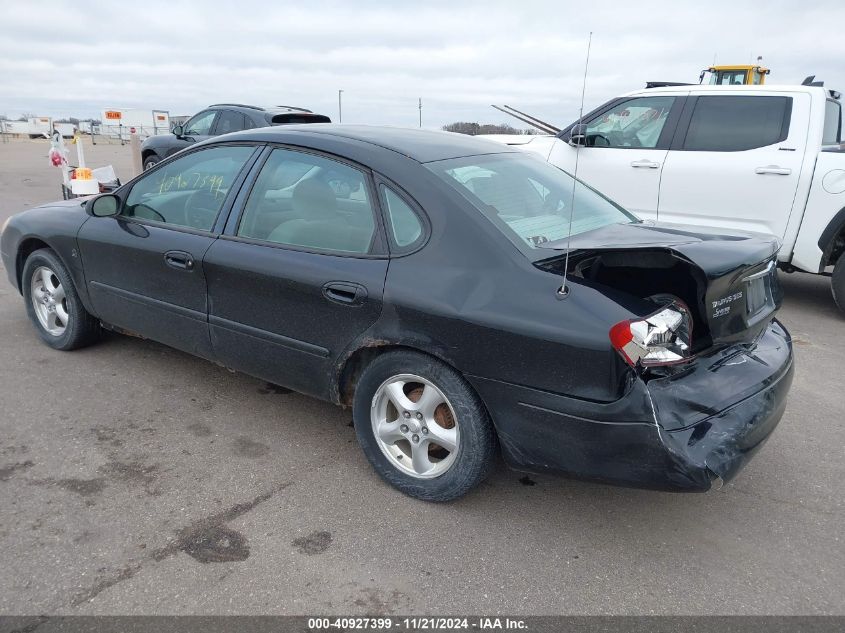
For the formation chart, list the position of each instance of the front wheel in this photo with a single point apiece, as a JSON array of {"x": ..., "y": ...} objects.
[
  {"x": 422, "y": 427},
  {"x": 150, "y": 162},
  {"x": 53, "y": 305},
  {"x": 837, "y": 282}
]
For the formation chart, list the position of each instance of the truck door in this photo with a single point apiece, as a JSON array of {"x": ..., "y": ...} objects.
[
  {"x": 736, "y": 161},
  {"x": 625, "y": 151}
]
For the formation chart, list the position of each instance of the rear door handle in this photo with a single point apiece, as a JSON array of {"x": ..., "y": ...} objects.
[
  {"x": 345, "y": 292},
  {"x": 648, "y": 164},
  {"x": 773, "y": 169},
  {"x": 179, "y": 260}
]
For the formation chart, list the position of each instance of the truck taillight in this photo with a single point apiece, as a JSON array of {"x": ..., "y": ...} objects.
[{"x": 660, "y": 339}]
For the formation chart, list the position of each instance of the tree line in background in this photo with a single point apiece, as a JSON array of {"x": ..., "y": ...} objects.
[{"x": 462, "y": 127}]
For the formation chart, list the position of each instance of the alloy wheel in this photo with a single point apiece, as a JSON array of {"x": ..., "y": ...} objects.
[
  {"x": 415, "y": 426},
  {"x": 49, "y": 301}
]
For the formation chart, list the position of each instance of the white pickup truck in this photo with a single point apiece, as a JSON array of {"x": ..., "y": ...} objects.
[{"x": 756, "y": 158}]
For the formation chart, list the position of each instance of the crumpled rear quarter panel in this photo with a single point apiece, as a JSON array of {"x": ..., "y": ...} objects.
[
  {"x": 674, "y": 434},
  {"x": 720, "y": 412}
]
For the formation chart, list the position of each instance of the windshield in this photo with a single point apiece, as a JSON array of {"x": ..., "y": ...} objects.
[
  {"x": 528, "y": 199},
  {"x": 728, "y": 78}
]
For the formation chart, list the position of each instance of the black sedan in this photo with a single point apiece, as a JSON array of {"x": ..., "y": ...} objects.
[{"x": 457, "y": 295}]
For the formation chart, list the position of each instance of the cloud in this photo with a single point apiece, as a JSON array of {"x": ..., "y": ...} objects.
[{"x": 459, "y": 57}]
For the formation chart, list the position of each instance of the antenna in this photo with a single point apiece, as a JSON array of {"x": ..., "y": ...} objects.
[
  {"x": 548, "y": 128},
  {"x": 563, "y": 291}
]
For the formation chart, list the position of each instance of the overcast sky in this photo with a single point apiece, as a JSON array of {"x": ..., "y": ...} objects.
[{"x": 76, "y": 58}]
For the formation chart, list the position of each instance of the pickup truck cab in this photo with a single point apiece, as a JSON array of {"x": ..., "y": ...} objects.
[{"x": 766, "y": 159}]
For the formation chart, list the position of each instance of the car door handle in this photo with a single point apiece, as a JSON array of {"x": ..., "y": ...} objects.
[
  {"x": 179, "y": 260},
  {"x": 773, "y": 169},
  {"x": 345, "y": 292},
  {"x": 648, "y": 164}
]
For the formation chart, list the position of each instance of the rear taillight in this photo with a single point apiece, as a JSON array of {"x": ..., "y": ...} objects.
[{"x": 660, "y": 339}]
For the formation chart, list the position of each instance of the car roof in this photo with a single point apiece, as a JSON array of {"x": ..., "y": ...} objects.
[
  {"x": 245, "y": 106},
  {"x": 421, "y": 145},
  {"x": 705, "y": 88}
]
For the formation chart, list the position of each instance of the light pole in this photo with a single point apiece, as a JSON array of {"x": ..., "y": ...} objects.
[
  {"x": 339, "y": 107},
  {"x": 420, "y": 106}
]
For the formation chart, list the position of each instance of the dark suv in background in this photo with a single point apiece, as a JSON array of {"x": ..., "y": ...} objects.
[{"x": 221, "y": 118}]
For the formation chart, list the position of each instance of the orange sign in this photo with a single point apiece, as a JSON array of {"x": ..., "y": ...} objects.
[
  {"x": 160, "y": 117},
  {"x": 113, "y": 115}
]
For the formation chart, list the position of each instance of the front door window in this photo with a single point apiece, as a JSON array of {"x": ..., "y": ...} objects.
[
  {"x": 200, "y": 124},
  {"x": 190, "y": 191},
  {"x": 635, "y": 123}
]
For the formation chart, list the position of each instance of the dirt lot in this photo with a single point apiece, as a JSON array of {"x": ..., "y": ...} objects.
[{"x": 136, "y": 479}]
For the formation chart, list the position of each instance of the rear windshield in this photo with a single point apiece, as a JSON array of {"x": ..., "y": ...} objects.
[{"x": 528, "y": 199}]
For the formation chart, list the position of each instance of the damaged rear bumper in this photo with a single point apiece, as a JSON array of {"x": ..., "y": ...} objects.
[{"x": 677, "y": 433}]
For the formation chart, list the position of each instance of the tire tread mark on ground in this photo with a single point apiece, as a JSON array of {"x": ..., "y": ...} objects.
[
  {"x": 101, "y": 585},
  {"x": 185, "y": 536}
]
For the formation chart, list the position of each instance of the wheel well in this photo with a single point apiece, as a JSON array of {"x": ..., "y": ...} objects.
[
  {"x": 27, "y": 248},
  {"x": 358, "y": 360},
  {"x": 835, "y": 249},
  {"x": 146, "y": 154},
  {"x": 832, "y": 240}
]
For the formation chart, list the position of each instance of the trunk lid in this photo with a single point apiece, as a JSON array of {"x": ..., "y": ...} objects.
[{"x": 736, "y": 289}]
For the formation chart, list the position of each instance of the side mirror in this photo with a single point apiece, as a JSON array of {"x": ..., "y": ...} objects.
[
  {"x": 104, "y": 206},
  {"x": 178, "y": 129},
  {"x": 578, "y": 135}
]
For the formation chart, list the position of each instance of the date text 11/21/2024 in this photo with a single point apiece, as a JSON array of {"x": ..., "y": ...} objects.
[{"x": 419, "y": 623}]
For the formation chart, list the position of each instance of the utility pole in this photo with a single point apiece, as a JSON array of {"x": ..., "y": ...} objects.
[
  {"x": 339, "y": 107},
  {"x": 420, "y": 106}
]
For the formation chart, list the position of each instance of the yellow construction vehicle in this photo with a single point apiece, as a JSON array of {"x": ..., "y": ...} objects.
[{"x": 740, "y": 75}]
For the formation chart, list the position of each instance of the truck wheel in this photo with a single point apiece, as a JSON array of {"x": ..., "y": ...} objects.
[
  {"x": 150, "y": 162},
  {"x": 423, "y": 428},
  {"x": 53, "y": 305},
  {"x": 837, "y": 282}
]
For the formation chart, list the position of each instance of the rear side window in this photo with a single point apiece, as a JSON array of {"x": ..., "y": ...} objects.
[
  {"x": 405, "y": 227},
  {"x": 229, "y": 121},
  {"x": 310, "y": 202},
  {"x": 832, "y": 123},
  {"x": 736, "y": 123}
]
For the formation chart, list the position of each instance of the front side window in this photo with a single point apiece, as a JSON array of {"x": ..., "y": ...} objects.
[
  {"x": 229, "y": 121},
  {"x": 311, "y": 202},
  {"x": 832, "y": 133},
  {"x": 528, "y": 199},
  {"x": 188, "y": 192},
  {"x": 632, "y": 123},
  {"x": 728, "y": 78},
  {"x": 200, "y": 124},
  {"x": 736, "y": 123}
]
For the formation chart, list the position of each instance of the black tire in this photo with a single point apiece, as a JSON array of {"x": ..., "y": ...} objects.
[
  {"x": 477, "y": 445},
  {"x": 837, "y": 282},
  {"x": 82, "y": 329},
  {"x": 151, "y": 161}
]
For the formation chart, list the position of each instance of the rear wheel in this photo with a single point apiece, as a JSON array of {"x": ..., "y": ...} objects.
[
  {"x": 422, "y": 427},
  {"x": 837, "y": 282},
  {"x": 53, "y": 305}
]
